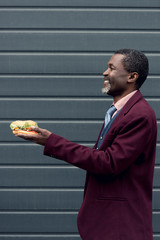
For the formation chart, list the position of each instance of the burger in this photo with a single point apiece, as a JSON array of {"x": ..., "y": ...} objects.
[{"x": 23, "y": 127}]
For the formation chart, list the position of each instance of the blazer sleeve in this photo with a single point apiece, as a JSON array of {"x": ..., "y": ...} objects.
[{"x": 128, "y": 143}]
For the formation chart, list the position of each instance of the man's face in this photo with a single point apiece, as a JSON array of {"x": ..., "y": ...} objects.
[{"x": 115, "y": 77}]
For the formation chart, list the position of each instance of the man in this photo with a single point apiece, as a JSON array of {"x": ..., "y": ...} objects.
[{"x": 117, "y": 201}]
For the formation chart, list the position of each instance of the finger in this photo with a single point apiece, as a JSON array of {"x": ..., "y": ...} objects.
[
  {"x": 28, "y": 136},
  {"x": 24, "y": 136}
]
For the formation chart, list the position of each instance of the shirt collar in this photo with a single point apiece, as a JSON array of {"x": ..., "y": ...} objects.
[{"x": 120, "y": 104}]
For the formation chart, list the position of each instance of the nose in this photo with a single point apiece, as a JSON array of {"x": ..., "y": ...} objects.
[{"x": 105, "y": 72}]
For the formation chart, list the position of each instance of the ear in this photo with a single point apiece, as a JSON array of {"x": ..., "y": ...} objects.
[{"x": 133, "y": 77}]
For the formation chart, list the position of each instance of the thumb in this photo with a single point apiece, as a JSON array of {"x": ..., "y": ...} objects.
[
  {"x": 36, "y": 129},
  {"x": 42, "y": 131}
]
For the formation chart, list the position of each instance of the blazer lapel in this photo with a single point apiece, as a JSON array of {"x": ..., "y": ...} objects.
[
  {"x": 131, "y": 102},
  {"x": 110, "y": 136}
]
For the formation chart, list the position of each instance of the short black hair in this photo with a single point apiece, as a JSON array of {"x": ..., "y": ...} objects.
[{"x": 135, "y": 61}]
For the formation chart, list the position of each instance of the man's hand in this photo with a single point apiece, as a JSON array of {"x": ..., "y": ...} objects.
[{"x": 39, "y": 138}]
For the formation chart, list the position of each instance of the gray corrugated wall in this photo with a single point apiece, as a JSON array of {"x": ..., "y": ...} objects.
[{"x": 52, "y": 55}]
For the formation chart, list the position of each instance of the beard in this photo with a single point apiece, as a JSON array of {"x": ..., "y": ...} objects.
[{"x": 106, "y": 89}]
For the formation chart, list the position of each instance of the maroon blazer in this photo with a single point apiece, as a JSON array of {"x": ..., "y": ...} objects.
[{"x": 117, "y": 202}]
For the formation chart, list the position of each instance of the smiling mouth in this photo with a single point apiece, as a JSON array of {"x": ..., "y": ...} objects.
[
  {"x": 106, "y": 83},
  {"x": 107, "y": 86},
  {"x": 106, "y": 80}
]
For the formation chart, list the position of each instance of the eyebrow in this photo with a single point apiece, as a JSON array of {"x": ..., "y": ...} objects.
[{"x": 111, "y": 64}]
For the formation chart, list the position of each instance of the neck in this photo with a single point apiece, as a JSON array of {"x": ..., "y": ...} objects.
[{"x": 117, "y": 98}]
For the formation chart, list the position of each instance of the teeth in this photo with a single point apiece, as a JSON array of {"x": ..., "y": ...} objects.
[{"x": 106, "y": 81}]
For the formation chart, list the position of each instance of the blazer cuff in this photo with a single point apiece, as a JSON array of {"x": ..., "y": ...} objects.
[{"x": 49, "y": 145}]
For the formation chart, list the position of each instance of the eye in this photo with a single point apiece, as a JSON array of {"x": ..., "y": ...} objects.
[{"x": 111, "y": 68}]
